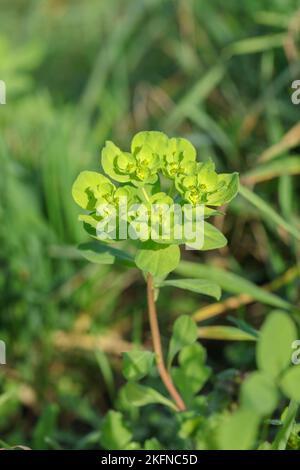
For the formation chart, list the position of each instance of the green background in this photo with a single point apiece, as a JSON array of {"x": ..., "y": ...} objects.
[{"x": 78, "y": 73}]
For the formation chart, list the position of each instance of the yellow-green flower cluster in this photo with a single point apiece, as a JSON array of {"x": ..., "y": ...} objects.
[
  {"x": 207, "y": 187},
  {"x": 153, "y": 153},
  {"x": 150, "y": 173}
]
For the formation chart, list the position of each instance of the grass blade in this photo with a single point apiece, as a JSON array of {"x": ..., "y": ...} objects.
[
  {"x": 231, "y": 282},
  {"x": 268, "y": 211}
]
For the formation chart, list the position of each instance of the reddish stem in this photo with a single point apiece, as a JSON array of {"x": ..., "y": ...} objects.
[{"x": 164, "y": 374}]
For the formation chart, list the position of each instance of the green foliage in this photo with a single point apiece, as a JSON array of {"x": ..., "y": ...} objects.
[
  {"x": 115, "y": 435},
  {"x": 192, "y": 373},
  {"x": 260, "y": 391},
  {"x": 259, "y": 394},
  {"x": 152, "y": 444},
  {"x": 184, "y": 334},
  {"x": 213, "y": 239},
  {"x": 138, "y": 395},
  {"x": 158, "y": 260},
  {"x": 287, "y": 428},
  {"x": 96, "y": 252},
  {"x": 137, "y": 364},
  {"x": 45, "y": 427},
  {"x": 238, "y": 432}
]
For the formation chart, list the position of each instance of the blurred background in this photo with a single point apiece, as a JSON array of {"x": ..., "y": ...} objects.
[{"x": 78, "y": 73}]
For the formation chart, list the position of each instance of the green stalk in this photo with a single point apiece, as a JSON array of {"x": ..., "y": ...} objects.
[{"x": 283, "y": 434}]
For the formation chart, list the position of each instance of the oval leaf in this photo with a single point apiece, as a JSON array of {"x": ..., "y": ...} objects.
[
  {"x": 273, "y": 352},
  {"x": 259, "y": 394},
  {"x": 156, "y": 259},
  {"x": 290, "y": 383},
  {"x": 238, "y": 431}
]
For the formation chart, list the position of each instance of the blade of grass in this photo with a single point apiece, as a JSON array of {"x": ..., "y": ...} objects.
[
  {"x": 265, "y": 209},
  {"x": 255, "y": 44},
  {"x": 238, "y": 301},
  {"x": 224, "y": 333},
  {"x": 274, "y": 169},
  {"x": 202, "y": 88},
  {"x": 289, "y": 140},
  {"x": 231, "y": 282}
]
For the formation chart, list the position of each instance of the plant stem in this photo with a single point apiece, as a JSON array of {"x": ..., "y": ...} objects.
[
  {"x": 171, "y": 190},
  {"x": 146, "y": 194},
  {"x": 164, "y": 374}
]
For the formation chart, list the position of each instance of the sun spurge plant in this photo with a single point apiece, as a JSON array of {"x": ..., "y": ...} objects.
[{"x": 157, "y": 197}]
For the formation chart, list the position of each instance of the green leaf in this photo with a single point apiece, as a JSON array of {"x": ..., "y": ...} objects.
[
  {"x": 133, "y": 446},
  {"x": 83, "y": 187},
  {"x": 157, "y": 259},
  {"x": 184, "y": 333},
  {"x": 212, "y": 240},
  {"x": 153, "y": 444},
  {"x": 230, "y": 282},
  {"x": 115, "y": 435},
  {"x": 137, "y": 364},
  {"x": 109, "y": 155},
  {"x": 46, "y": 426},
  {"x": 139, "y": 395},
  {"x": 97, "y": 252},
  {"x": 290, "y": 383},
  {"x": 238, "y": 431},
  {"x": 200, "y": 286},
  {"x": 259, "y": 394},
  {"x": 192, "y": 373},
  {"x": 273, "y": 352}
]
